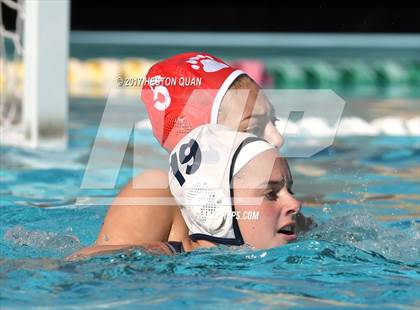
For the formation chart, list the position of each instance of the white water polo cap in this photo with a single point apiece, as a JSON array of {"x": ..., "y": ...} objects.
[{"x": 202, "y": 166}]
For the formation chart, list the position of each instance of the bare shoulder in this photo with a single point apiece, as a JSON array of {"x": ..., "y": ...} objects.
[
  {"x": 142, "y": 212},
  {"x": 150, "y": 179},
  {"x": 154, "y": 176}
]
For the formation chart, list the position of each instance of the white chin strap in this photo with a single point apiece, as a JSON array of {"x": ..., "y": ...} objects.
[{"x": 202, "y": 166}]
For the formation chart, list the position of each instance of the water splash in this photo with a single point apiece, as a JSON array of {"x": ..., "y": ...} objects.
[
  {"x": 362, "y": 230},
  {"x": 41, "y": 240}
]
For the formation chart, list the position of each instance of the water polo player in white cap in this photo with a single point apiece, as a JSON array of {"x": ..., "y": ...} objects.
[
  {"x": 220, "y": 177},
  {"x": 233, "y": 188}
]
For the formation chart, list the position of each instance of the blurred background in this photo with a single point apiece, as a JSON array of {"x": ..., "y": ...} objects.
[
  {"x": 282, "y": 46},
  {"x": 364, "y": 53}
]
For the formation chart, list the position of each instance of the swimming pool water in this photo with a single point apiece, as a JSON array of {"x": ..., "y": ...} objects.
[{"x": 363, "y": 192}]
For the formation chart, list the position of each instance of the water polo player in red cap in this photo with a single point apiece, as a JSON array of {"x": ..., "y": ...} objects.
[{"x": 219, "y": 94}]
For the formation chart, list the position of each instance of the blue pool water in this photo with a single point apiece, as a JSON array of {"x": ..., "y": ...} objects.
[{"x": 363, "y": 192}]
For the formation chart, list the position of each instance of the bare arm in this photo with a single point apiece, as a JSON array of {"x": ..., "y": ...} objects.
[
  {"x": 133, "y": 219},
  {"x": 98, "y": 249},
  {"x": 144, "y": 211},
  {"x": 155, "y": 247}
]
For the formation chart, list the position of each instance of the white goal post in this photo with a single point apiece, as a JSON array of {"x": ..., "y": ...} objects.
[{"x": 43, "y": 99}]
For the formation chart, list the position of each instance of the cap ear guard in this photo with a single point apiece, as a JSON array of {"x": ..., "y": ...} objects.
[{"x": 203, "y": 164}]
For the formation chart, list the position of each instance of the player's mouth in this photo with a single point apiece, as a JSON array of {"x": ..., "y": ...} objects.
[{"x": 288, "y": 231}]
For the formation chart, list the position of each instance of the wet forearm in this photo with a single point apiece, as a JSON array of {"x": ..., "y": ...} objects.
[
  {"x": 153, "y": 247},
  {"x": 100, "y": 249}
]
